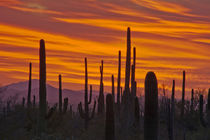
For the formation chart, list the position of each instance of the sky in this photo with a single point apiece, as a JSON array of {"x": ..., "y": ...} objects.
[{"x": 169, "y": 35}]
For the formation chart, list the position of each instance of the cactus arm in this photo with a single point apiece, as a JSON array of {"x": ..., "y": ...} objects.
[
  {"x": 29, "y": 87},
  {"x": 93, "y": 111},
  {"x": 183, "y": 95},
  {"x": 113, "y": 94},
  {"x": 90, "y": 97}
]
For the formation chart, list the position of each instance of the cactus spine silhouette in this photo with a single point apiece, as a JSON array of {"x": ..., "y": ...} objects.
[
  {"x": 183, "y": 95},
  {"x": 110, "y": 122},
  {"x": 151, "y": 107},
  {"x": 29, "y": 88},
  {"x": 128, "y": 62},
  {"x": 172, "y": 110},
  {"x": 133, "y": 67},
  {"x": 65, "y": 106},
  {"x": 85, "y": 113},
  {"x": 208, "y": 101},
  {"x": 60, "y": 94},
  {"x": 192, "y": 101},
  {"x": 119, "y": 79},
  {"x": 168, "y": 105},
  {"x": 42, "y": 88},
  {"x": 101, "y": 92},
  {"x": 208, "y": 107},
  {"x": 201, "y": 111},
  {"x": 113, "y": 94}
]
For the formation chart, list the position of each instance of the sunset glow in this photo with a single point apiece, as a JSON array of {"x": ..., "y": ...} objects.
[{"x": 170, "y": 36}]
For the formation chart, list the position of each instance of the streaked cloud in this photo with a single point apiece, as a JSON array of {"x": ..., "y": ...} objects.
[
  {"x": 170, "y": 36},
  {"x": 164, "y": 6}
]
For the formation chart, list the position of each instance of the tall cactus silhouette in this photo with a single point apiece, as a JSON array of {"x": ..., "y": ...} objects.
[
  {"x": 42, "y": 88},
  {"x": 208, "y": 107},
  {"x": 208, "y": 101},
  {"x": 183, "y": 95},
  {"x": 65, "y": 105},
  {"x": 134, "y": 61},
  {"x": 128, "y": 100},
  {"x": 110, "y": 120},
  {"x": 203, "y": 123},
  {"x": 172, "y": 111},
  {"x": 119, "y": 79},
  {"x": 128, "y": 62},
  {"x": 126, "y": 92},
  {"x": 29, "y": 88},
  {"x": 151, "y": 107},
  {"x": 113, "y": 94},
  {"x": 101, "y": 92},
  {"x": 168, "y": 105},
  {"x": 60, "y": 94},
  {"x": 85, "y": 113},
  {"x": 133, "y": 67},
  {"x": 192, "y": 101}
]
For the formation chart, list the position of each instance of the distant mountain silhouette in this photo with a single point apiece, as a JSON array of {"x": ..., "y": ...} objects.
[{"x": 20, "y": 90}]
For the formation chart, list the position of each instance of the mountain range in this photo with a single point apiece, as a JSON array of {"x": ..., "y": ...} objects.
[{"x": 17, "y": 91}]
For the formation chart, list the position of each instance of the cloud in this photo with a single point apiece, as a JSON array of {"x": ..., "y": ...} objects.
[
  {"x": 164, "y": 6},
  {"x": 170, "y": 36}
]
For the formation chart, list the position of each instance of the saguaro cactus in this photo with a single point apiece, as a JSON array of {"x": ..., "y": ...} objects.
[
  {"x": 208, "y": 107},
  {"x": 192, "y": 101},
  {"x": 134, "y": 62},
  {"x": 34, "y": 101},
  {"x": 113, "y": 94},
  {"x": 85, "y": 113},
  {"x": 137, "y": 110},
  {"x": 172, "y": 110},
  {"x": 65, "y": 106},
  {"x": 110, "y": 122},
  {"x": 29, "y": 88},
  {"x": 208, "y": 102},
  {"x": 42, "y": 88},
  {"x": 133, "y": 67},
  {"x": 127, "y": 99},
  {"x": 119, "y": 79},
  {"x": 128, "y": 62},
  {"x": 201, "y": 111},
  {"x": 101, "y": 92},
  {"x": 135, "y": 87},
  {"x": 183, "y": 95},
  {"x": 168, "y": 105},
  {"x": 151, "y": 107},
  {"x": 60, "y": 94}
]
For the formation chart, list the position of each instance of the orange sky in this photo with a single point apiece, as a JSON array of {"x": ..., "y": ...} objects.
[{"x": 170, "y": 36}]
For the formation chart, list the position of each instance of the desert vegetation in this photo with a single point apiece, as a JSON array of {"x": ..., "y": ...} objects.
[{"x": 120, "y": 116}]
